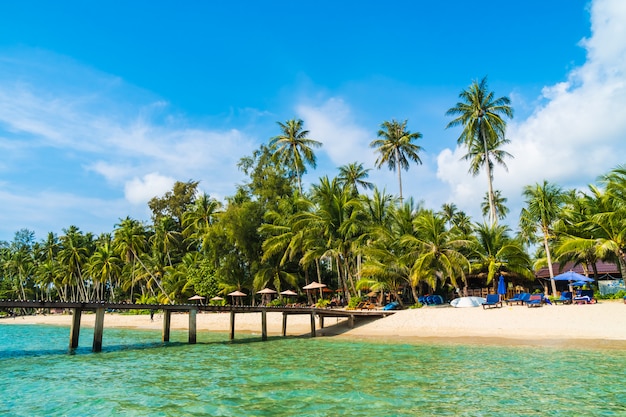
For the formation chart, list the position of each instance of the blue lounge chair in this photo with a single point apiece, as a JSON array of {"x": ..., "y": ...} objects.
[
  {"x": 566, "y": 298},
  {"x": 392, "y": 306},
  {"x": 493, "y": 300},
  {"x": 584, "y": 297},
  {"x": 535, "y": 300},
  {"x": 520, "y": 299}
]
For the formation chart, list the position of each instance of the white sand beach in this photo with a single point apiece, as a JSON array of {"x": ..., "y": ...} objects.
[{"x": 602, "y": 324}]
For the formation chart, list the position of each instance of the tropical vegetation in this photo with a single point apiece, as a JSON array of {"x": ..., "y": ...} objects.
[{"x": 343, "y": 231}]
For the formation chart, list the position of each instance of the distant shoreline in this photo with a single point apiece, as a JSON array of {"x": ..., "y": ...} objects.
[{"x": 601, "y": 325}]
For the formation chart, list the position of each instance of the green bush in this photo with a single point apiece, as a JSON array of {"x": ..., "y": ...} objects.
[
  {"x": 276, "y": 303},
  {"x": 354, "y": 301},
  {"x": 322, "y": 303}
]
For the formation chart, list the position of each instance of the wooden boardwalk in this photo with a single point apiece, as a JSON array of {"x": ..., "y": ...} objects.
[{"x": 192, "y": 309}]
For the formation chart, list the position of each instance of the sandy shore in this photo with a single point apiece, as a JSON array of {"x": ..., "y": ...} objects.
[{"x": 595, "y": 325}]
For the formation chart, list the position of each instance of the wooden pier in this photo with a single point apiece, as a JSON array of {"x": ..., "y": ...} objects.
[{"x": 77, "y": 309}]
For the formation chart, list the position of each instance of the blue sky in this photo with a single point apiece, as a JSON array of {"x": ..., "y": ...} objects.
[{"x": 104, "y": 105}]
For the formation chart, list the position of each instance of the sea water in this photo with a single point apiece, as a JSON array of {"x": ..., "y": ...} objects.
[{"x": 137, "y": 375}]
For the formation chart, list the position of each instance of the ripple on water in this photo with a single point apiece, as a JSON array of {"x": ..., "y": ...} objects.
[{"x": 136, "y": 375}]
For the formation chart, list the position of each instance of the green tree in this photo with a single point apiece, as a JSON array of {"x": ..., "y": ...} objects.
[
  {"x": 294, "y": 149},
  {"x": 174, "y": 203},
  {"x": 436, "y": 252},
  {"x": 499, "y": 202},
  {"x": 495, "y": 252},
  {"x": 543, "y": 206},
  {"x": 354, "y": 176},
  {"x": 395, "y": 148},
  {"x": 481, "y": 116}
]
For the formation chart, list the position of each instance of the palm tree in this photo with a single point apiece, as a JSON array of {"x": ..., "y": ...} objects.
[
  {"x": 105, "y": 266},
  {"x": 294, "y": 149},
  {"x": 480, "y": 114},
  {"x": 396, "y": 148},
  {"x": 200, "y": 217},
  {"x": 495, "y": 251},
  {"x": 353, "y": 175},
  {"x": 436, "y": 252},
  {"x": 499, "y": 202},
  {"x": 543, "y": 204}
]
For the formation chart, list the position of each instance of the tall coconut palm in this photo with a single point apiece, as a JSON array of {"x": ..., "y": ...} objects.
[
  {"x": 294, "y": 149},
  {"x": 543, "y": 205},
  {"x": 353, "y": 175},
  {"x": 499, "y": 202},
  {"x": 395, "y": 148},
  {"x": 481, "y": 116},
  {"x": 105, "y": 266},
  {"x": 202, "y": 214}
]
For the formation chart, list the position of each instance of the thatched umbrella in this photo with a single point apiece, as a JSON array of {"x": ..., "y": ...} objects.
[
  {"x": 266, "y": 292},
  {"x": 236, "y": 294},
  {"x": 196, "y": 298},
  {"x": 315, "y": 285}
]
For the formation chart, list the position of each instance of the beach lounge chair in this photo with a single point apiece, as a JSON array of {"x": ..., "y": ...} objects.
[
  {"x": 519, "y": 299},
  {"x": 584, "y": 297},
  {"x": 566, "y": 298},
  {"x": 392, "y": 306},
  {"x": 493, "y": 300},
  {"x": 535, "y": 300}
]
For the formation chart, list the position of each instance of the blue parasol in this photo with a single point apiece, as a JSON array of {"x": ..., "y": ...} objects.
[
  {"x": 501, "y": 286},
  {"x": 572, "y": 276}
]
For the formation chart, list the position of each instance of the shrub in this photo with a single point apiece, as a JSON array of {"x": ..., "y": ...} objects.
[{"x": 354, "y": 301}]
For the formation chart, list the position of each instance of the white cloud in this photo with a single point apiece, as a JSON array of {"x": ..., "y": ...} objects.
[
  {"x": 578, "y": 132},
  {"x": 332, "y": 123},
  {"x": 141, "y": 190}
]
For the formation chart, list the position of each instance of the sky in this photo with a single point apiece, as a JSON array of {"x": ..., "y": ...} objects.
[{"x": 104, "y": 105}]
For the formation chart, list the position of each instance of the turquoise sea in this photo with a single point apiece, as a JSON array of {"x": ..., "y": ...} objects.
[{"x": 137, "y": 375}]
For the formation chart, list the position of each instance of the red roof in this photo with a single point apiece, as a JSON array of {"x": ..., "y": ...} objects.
[{"x": 603, "y": 269}]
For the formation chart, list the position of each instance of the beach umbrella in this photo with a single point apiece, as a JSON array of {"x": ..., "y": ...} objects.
[
  {"x": 572, "y": 276},
  {"x": 266, "y": 294},
  {"x": 315, "y": 285},
  {"x": 288, "y": 293},
  {"x": 501, "y": 286},
  {"x": 196, "y": 298},
  {"x": 236, "y": 294},
  {"x": 217, "y": 298}
]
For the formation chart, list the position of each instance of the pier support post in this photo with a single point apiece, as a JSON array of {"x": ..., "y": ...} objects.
[
  {"x": 98, "y": 330},
  {"x": 312, "y": 323},
  {"x": 285, "y": 322},
  {"x": 167, "y": 317},
  {"x": 232, "y": 324},
  {"x": 192, "y": 327},
  {"x": 351, "y": 321},
  {"x": 321, "y": 322},
  {"x": 264, "y": 324},
  {"x": 75, "y": 329}
]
